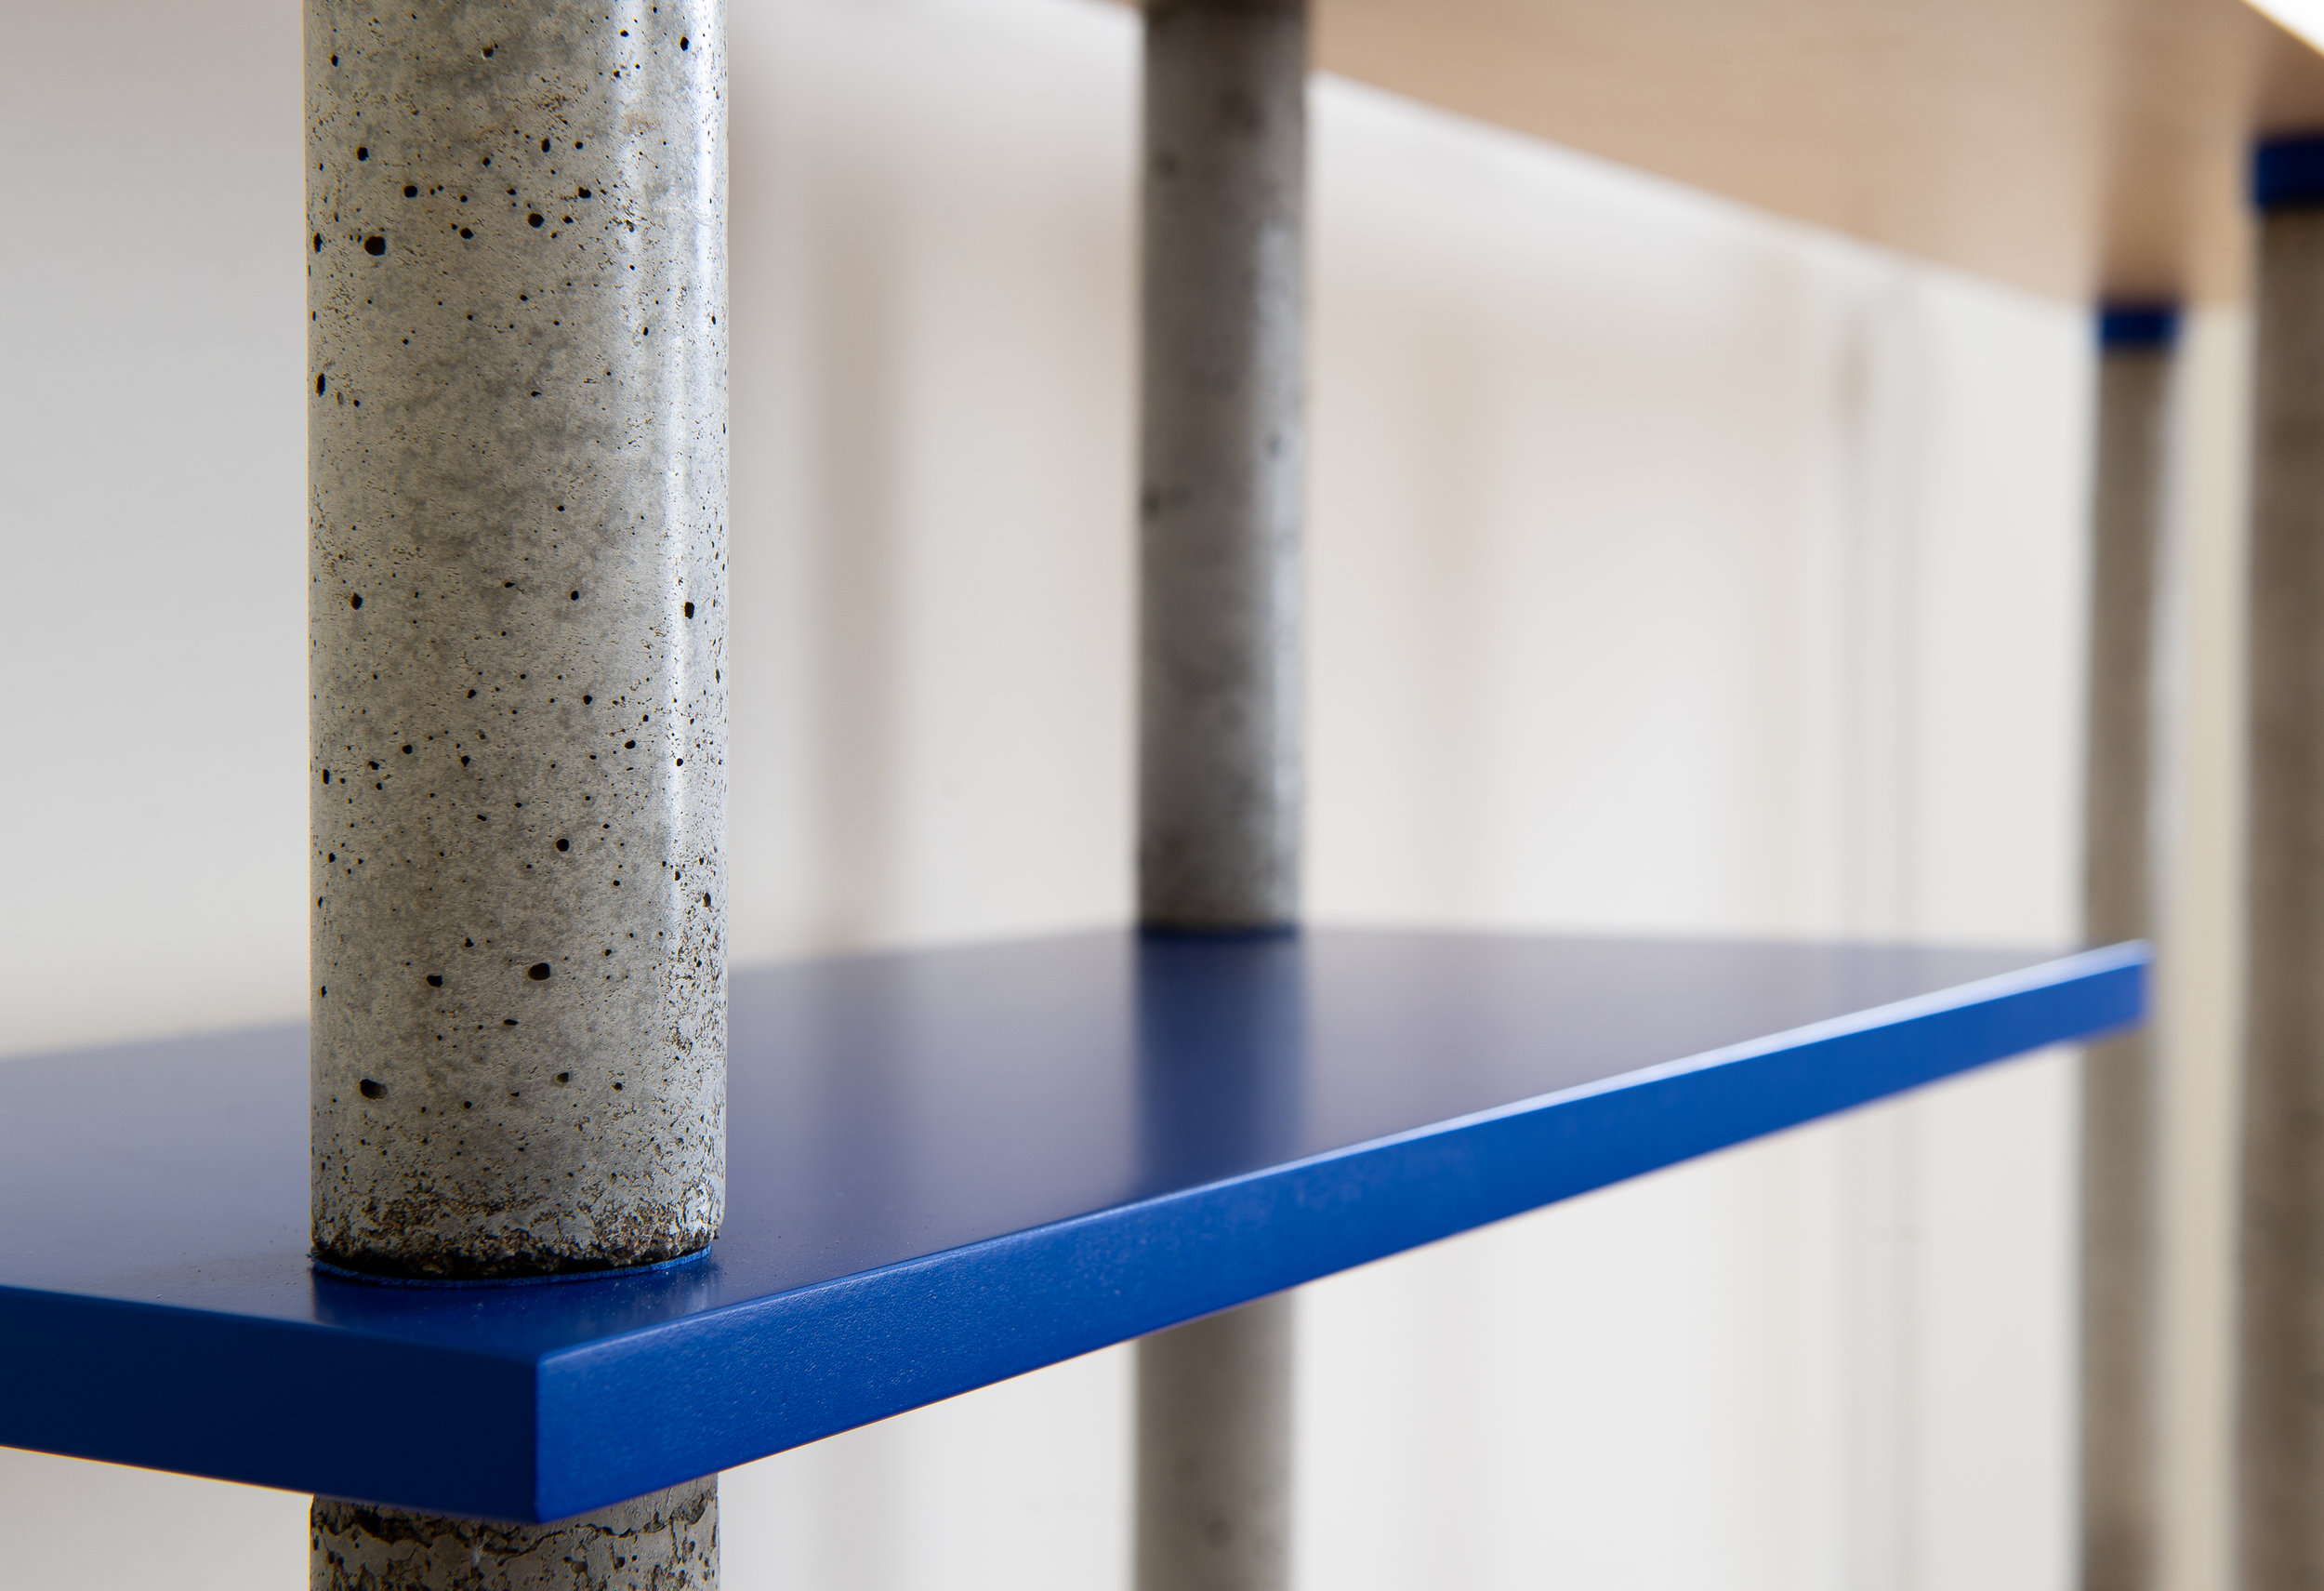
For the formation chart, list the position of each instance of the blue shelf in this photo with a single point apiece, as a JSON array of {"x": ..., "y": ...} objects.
[{"x": 947, "y": 1168}]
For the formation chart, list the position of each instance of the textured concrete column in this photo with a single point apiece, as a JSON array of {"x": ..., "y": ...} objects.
[
  {"x": 2121, "y": 1288},
  {"x": 516, "y": 618},
  {"x": 2280, "y": 1263},
  {"x": 1222, "y": 463},
  {"x": 517, "y": 611},
  {"x": 1223, "y": 466},
  {"x": 668, "y": 1541}
]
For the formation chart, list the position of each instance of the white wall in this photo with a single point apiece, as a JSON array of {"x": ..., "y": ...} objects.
[{"x": 1672, "y": 568}]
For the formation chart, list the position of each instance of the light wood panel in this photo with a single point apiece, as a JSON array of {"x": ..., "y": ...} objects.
[{"x": 2076, "y": 147}]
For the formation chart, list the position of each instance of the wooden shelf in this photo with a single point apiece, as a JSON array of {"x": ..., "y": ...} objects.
[
  {"x": 2089, "y": 150},
  {"x": 947, "y": 1168}
]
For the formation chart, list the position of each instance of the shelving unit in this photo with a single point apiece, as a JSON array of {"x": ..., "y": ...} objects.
[
  {"x": 950, "y": 1167},
  {"x": 947, "y": 1168}
]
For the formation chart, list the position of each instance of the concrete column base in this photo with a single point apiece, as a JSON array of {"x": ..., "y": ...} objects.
[{"x": 666, "y": 1541}]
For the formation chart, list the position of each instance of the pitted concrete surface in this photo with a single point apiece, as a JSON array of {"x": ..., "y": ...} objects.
[
  {"x": 1222, "y": 464},
  {"x": 517, "y": 615},
  {"x": 668, "y": 1541},
  {"x": 2280, "y": 1438}
]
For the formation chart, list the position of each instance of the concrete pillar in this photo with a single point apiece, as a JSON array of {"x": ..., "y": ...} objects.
[
  {"x": 516, "y": 618},
  {"x": 2120, "y": 1297},
  {"x": 1222, "y": 475},
  {"x": 668, "y": 1541},
  {"x": 2280, "y": 1263},
  {"x": 1222, "y": 463},
  {"x": 1214, "y": 1452},
  {"x": 517, "y": 611}
]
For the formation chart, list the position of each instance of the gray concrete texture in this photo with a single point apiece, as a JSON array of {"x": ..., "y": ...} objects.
[
  {"x": 1221, "y": 497},
  {"x": 2121, "y": 1256},
  {"x": 517, "y": 617},
  {"x": 666, "y": 1541},
  {"x": 1222, "y": 463},
  {"x": 2280, "y": 1266},
  {"x": 1214, "y": 1452}
]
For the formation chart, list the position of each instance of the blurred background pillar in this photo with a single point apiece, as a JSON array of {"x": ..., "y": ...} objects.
[
  {"x": 1222, "y": 487},
  {"x": 2280, "y": 1271},
  {"x": 2121, "y": 1250}
]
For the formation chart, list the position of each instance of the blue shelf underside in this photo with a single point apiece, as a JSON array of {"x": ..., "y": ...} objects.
[{"x": 947, "y": 1168}]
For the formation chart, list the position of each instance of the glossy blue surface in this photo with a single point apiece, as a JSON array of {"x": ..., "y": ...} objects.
[{"x": 947, "y": 1168}]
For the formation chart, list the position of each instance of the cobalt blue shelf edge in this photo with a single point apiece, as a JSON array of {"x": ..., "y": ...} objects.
[{"x": 948, "y": 1168}]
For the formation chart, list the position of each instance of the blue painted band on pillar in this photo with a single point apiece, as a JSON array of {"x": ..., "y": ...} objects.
[
  {"x": 2137, "y": 326},
  {"x": 2287, "y": 172}
]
